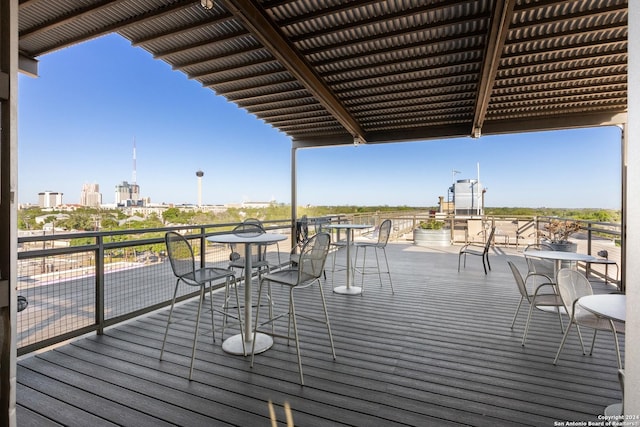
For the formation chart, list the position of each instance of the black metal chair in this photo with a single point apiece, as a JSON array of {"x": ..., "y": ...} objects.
[
  {"x": 479, "y": 250},
  {"x": 184, "y": 268}
]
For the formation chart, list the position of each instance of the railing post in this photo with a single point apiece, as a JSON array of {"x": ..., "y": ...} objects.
[
  {"x": 589, "y": 235},
  {"x": 100, "y": 285},
  {"x": 203, "y": 248}
]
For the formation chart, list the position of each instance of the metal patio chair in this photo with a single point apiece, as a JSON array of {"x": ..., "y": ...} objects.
[
  {"x": 308, "y": 272},
  {"x": 183, "y": 265},
  {"x": 573, "y": 285},
  {"x": 384, "y": 232},
  {"x": 479, "y": 250},
  {"x": 544, "y": 297}
]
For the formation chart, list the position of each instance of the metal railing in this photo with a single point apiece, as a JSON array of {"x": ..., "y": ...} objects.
[{"x": 78, "y": 283}]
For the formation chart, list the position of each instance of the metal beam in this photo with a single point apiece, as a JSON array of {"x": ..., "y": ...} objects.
[
  {"x": 110, "y": 28},
  {"x": 255, "y": 19},
  {"x": 501, "y": 17},
  {"x": 27, "y": 65}
]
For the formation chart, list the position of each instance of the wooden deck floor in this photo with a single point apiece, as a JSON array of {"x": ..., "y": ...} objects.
[{"x": 439, "y": 352}]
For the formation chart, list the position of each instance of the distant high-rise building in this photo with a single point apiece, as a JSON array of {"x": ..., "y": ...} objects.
[
  {"x": 128, "y": 194},
  {"x": 90, "y": 195},
  {"x": 49, "y": 199}
]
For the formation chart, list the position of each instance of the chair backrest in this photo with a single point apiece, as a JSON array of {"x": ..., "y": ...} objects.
[
  {"x": 537, "y": 265},
  {"x": 487, "y": 244},
  {"x": 302, "y": 229},
  {"x": 249, "y": 226},
  {"x": 180, "y": 254},
  {"x": 257, "y": 251},
  {"x": 572, "y": 285},
  {"x": 384, "y": 232},
  {"x": 313, "y": 256},
  {"x": 319, "y": 223},
  {"x": 519, "y": 280}
]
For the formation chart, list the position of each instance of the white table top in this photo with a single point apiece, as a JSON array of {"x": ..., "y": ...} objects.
[
  {"x": 610, "y": 306},
  {"x": 347, "y": 225},
  {"x": 247, "y": 238},
  {"x": 561, "y": 256}
]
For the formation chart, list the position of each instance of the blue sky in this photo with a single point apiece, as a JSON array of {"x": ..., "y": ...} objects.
[{"x": 78, "y": 122}]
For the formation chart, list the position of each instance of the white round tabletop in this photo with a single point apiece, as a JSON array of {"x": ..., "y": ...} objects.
[
  {"x": 561, "y": 256},
  {"x": 610, "y": 306},
  {"x": 247, "y": 238}
]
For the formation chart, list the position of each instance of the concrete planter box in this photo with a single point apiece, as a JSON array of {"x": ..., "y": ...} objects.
[
  {"x": 564, "y": 246},
  {"x": 423, "y": 237}
]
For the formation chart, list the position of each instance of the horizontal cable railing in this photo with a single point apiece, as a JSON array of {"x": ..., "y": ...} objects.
[{"x": 78, "y": 283}]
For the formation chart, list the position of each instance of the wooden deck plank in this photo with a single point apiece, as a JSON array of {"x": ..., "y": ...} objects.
[{"x": 440, "y": 351}]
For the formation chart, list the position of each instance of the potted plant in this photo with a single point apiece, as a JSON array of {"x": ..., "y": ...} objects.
[
  {"x": 557, "y": 234},
  {"x": 431, "y": 233}
]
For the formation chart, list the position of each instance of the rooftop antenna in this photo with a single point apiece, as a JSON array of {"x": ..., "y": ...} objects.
[
  {"x": 478, "y": 195},
  {"x": 453, "y": 175}
]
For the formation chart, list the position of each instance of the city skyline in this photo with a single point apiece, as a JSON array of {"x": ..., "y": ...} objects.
[{"x": 81, "y": 116}]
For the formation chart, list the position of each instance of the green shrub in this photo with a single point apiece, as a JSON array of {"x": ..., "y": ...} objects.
[{"x": 432, "y": 224}]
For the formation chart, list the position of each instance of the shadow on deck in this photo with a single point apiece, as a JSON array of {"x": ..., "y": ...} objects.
[{"x": 438, "y": 352}]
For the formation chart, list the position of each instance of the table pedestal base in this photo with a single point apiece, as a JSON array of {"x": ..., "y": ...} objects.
[
  {"x": 233, "y": 345},
  {"x": 613, "y": 410},
  {"x": 351, "y": 290}
]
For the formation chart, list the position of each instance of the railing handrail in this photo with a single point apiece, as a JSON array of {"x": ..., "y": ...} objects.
[{"x": 99, "y": 246}]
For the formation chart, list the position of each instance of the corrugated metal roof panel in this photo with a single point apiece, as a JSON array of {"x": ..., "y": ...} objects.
[{"x": 384, "y": 70}]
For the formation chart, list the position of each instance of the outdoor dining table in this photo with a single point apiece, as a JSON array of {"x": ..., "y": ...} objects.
[
  {"x": 559, "y": 256},
  {"x": 234, "y": 343},
  {"x": 348, "y": 289},
  {"x": 612, "y": 307}
]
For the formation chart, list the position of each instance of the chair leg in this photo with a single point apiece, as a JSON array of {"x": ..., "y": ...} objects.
[
  {"x": 326, "y": 318},
  {"x": 560, "y": 317},
  {"x": 256, "y": 323},
  {"x": 292, "y": 313},
  {"x": 581, "y": 341},
  {"x": 375, "y": 252},
  {"x": 213, "y": 325},
  {"x": 615, "y": 339},
  {"x": 593, "y": 342},
  {"x": 195, "y": 334},
  {"x": 386, "y": 260},
  {"x": 460, "y": 255},
  {"x": 526, "y": 326},
  {"x": 513, "y": 322},
  {"x": 240, "y": 320},
  {"x": 166, "y": 331},
  {"x": 488, "y": 263},
  {"x": 364, "y": 263},
  {"x": 564, "y": 338}
]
